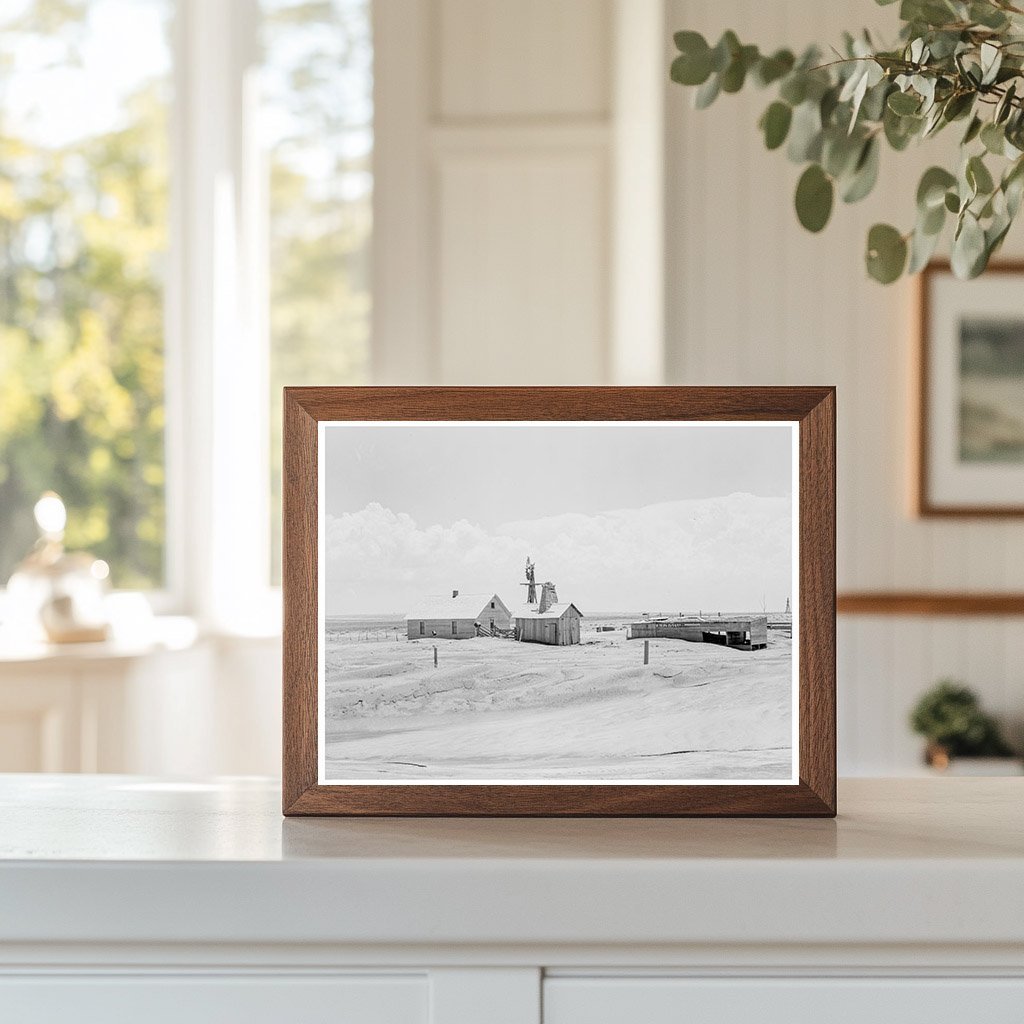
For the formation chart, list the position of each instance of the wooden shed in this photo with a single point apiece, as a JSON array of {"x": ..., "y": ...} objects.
[
  {"x": 458, "y": 617},
  {"x": 550, "y": 622}
]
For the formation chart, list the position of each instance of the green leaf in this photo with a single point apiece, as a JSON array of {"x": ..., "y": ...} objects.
[
  {"x": 693, "y": 65},
  {"x": 771, "y": 69},
  {"x": 978, "y": 176},
  {"x": 973, "y": 130},
  {"x": 865, "y": 173},
  {"x": 931, "y": 191},
  {"x": 814, "y": 194},
  {"x": 900, "y": 130},
  {"x": 794, "y": 89},
  {"x": 707, "y": 93},
  {"x": 725, "y": 49},
  {"x": 991, "y": 61},
  {"x": 952, "y": 202},
  {"x": 775, "y": 124},
  {"x": 969, "y": 254},
  {"x": 987, "y": 15},
  {"x": 958, "y": 106},
  {"x": 904, "y": 103},
  {"x": 922, "y": 247},
  {"x": 886, "y": 254},
  {"x": 805, "y": 133},
  {"x": 735, "y": 74},
  {"x": 839, "y": 151},
  {"x": 1004, "y": 106},
  {"x": 993, "y": 138}
]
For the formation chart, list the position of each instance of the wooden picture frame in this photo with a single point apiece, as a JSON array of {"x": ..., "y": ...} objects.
[
  {"x": 810, "y": 792},
  {"x": 931, "y": 373}
]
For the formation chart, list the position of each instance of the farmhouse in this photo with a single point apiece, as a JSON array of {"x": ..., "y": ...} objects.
[
  {"x": 549, "y": 622},
  {"x": 458, "y": 617}
]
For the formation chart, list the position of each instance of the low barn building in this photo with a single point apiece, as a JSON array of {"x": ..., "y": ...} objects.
[
  {"x": 550, "y": 621},
  {"x": 458, "y": 617},
  {"x": 745, "y": 634}
]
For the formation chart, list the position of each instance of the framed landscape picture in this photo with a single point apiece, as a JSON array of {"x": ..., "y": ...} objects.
[
  {"x": 970, "y": 451},
  {"x": 559, "y": 601}
]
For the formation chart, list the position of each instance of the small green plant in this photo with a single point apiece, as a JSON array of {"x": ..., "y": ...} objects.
[
  {"x": 956, "y": 61},
  {"x": 950, "y": 717}
]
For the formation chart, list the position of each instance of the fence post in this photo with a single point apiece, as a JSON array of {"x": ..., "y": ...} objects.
[{"x": 647, "y": 651}]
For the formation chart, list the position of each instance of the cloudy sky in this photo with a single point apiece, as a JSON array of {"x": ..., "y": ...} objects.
[{"x": 622, "y": 517}]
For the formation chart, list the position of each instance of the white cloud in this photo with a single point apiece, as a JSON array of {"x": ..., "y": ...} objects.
[{"x": 714, "y": 554}]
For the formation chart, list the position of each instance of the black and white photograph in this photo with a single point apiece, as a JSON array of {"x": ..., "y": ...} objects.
[{"x": 557, "y": 602}]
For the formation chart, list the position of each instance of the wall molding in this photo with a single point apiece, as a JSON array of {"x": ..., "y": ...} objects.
[{"x": 929, "y": 603}]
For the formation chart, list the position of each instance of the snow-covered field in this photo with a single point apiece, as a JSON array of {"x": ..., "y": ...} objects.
[{"x": 497, "y": 709}]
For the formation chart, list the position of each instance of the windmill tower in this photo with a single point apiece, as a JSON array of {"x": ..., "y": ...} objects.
[{"x": 531, "y": 583}]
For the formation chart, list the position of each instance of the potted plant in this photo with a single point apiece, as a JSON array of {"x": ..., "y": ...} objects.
[
  {"x": 950, "y": 718},
  {"x": 956, "y": 62}
]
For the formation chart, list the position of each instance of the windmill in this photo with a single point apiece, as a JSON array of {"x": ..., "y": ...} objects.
[{"x": 531, "y": 583}]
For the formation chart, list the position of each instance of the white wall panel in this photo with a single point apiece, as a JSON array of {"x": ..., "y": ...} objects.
[
  {"x": 754, "y": 299},
  {"x": 527, "y": 58},
  {"x": 522, "y": 283}
]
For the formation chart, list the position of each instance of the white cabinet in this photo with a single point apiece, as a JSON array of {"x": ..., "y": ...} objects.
[
  {"x": 352, "y": 999},
  {"x": 832, "y": 1000},
  {"x": 132, "y": 899}
]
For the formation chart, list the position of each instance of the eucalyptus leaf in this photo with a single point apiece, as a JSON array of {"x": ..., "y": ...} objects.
[
  {"x": 931, "y": 190},
  {"x": 865, "y": 173},
  {"x": 707, "y": 93},
  {"x": 978, "y": 176},
  {"x": 794, "y": 88},
  {"x": 968, "y": 248},
  {"x": 922, "y": 247},
  {"x": 993, "y": 138},
  {"x": 886, "y": 253},
  {"x": 724, "y": 51},
  {"x": 775, "y": 124},
  {"x": 805, "y": 133},
  {"x": 973, "y": 130},
  {"x": 771, "y": 69},
  {"x": 814, "y": 195},
  {"x": 904, "y": 103}
]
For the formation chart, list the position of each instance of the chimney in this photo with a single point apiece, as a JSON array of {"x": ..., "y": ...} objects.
[
  {"x": 455, "y": 593},
  {"x": 548, "y": 597}
]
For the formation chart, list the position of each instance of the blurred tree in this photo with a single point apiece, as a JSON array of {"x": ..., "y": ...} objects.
[
  {"x": 82, "y": 231},
  {"x": 318, "y": 115}
]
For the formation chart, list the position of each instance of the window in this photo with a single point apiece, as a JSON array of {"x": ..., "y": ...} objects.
[
  {"x": 214, "y": 176},
  {"x": 455, "y": 627},
  {"x": 422, "y": 628},
  {"x": 317, "y": 117},
  {"x": 83, "y": 238},
  {"x": 492, "y": 604}
]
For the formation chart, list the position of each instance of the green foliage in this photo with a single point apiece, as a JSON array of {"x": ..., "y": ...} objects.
[
  {"x": 82, "y": 234},
  {"x": 949, "y": 715},
  {"x": 956, "y": 60}
]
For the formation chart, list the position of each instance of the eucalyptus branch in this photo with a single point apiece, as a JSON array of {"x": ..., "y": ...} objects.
[{"x": 955, "y": 61}]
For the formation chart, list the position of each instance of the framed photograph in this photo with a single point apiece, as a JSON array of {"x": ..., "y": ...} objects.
[
  {"x": 970, "y": 450},
  {"x": 559, "y": 601}
]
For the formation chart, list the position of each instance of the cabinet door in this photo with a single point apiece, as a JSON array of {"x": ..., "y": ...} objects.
[
  {"x": 783, "y": 1000},
  {"x": 202, "y": 999}
]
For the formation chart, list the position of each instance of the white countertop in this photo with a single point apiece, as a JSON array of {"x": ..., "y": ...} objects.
[{"x": 120, "y": 859}]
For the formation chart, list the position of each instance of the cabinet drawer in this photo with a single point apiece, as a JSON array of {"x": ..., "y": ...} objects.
[
  {"x": 202, "y": 999},
  {"x": 783, "y": 1000}
]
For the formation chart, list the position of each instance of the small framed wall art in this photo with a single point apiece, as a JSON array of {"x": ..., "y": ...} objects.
[
  {"x": 559, "y": 601},
  {"x": 970, "y": 444}
]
